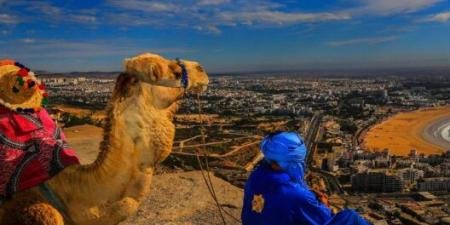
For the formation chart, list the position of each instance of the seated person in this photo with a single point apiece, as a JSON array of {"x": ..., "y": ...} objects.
[
  {"x": 32, "y": 147},
  {"x": 276, "y": 192}
]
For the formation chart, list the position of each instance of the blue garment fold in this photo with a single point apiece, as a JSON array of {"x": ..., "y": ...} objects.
[
  {"x": 281, "y": 197},
  {"x": 286, "y": 203}
]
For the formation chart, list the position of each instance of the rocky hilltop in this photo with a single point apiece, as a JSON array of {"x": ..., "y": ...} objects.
[
  {"x": 180, "y": 198},
  {"x": 183, "y": 199}
]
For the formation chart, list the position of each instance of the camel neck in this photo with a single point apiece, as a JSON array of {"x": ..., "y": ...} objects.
[
  {"x": 129, "y": 119},
  {"x": 137, "y": 136}
]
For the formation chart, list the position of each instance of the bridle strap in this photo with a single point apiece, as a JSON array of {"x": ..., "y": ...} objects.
[
  {"x": 167, "y": 83},
  {"x": 184, "y": 74}
]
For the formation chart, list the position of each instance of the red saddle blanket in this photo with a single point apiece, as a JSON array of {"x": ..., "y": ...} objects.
[{"x": 32, "y": 150}]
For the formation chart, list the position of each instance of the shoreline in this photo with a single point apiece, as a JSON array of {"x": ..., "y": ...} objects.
[
  {"x": 405, "y": 131},
  {"x": 435, "y": 131}
]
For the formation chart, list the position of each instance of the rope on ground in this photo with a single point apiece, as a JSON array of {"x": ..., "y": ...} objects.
[
  {"x": 207, "y": 178},
  {"x": 208, "y": 183},
  {"x": 212, "y": 188}
]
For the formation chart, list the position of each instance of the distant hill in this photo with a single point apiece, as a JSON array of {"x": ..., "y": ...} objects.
[
  {"x": 80, "y": 74},
  {"x": 314, "y": 73}
]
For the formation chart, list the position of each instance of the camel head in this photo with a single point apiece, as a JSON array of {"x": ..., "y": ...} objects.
[
  {"x": 157, "y": 84},
  {"x": 166, "y": 77}
]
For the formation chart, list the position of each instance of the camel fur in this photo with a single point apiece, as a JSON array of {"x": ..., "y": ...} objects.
[{"x": 138, "y": 134}]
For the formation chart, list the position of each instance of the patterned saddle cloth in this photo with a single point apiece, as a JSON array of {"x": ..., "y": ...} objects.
[{"x": 32, "y": 150}]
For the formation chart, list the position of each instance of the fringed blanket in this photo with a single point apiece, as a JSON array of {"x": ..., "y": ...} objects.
[{"x": 32, "y": 150}]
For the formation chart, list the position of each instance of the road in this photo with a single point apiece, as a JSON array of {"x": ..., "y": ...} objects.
[{"x": 310, "y": 140}]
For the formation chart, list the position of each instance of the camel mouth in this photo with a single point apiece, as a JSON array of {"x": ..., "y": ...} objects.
[{"x": 199, "y": 88}]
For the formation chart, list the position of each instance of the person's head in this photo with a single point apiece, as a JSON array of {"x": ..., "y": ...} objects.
[{"x": 285, "y": 151}]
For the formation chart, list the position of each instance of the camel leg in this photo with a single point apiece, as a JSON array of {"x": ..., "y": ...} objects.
[
  {"x": 119, "y": 211},
  {"x": 29, "y": 208},
  {"x": 36, "y": 214}
]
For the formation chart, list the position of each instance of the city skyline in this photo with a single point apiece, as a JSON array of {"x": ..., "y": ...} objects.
[{"x": 228, "y": 35}]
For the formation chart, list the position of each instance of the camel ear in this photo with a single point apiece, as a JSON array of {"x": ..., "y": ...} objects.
[
  {"x": 123, "y": 83},
  {"x": 175, "y": 68},
  {"x": 144, "y": 68}
]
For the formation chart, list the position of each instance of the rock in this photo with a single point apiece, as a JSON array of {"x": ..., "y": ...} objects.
[{"x": 184, "y": 199}]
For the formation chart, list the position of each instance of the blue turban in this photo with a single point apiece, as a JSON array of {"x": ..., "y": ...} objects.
[{"x": 288, "y": 150}]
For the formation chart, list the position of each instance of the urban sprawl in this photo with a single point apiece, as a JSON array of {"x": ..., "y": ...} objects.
[{"x": 331, "y": 112}]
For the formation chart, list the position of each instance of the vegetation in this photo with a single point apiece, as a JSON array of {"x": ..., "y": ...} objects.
[
  {"x": 348, "y": 126},
  {"x": 70, "y": 120}
]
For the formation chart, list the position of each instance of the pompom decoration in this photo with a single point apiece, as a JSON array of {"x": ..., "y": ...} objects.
[
  {"x": 44, "y": 101},
  {"x": 25, "y": 76},
  {"x": 22, "y": 72}
]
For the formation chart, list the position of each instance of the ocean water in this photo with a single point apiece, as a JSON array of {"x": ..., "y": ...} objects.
[
  {"x": 445, "y": 132},
  {"x": 438, "y": 133}
]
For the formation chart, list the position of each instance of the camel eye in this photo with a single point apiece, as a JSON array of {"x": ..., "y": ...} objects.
[
  {"x": 178, "y": 75},
  {"x": 200, "y": 69}
]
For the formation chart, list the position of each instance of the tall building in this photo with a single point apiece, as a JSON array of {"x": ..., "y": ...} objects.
[
  {"x": 410, "y": 175},
  {"x": 434, "y": 184},
  {"x": 376, "y": 181},
  {"x": 413, "y": 154}
]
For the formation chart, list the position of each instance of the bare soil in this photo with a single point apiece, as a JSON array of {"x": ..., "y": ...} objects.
[
  {"x": 85, "y": 139},
  {"x": 183, "y": 199}
]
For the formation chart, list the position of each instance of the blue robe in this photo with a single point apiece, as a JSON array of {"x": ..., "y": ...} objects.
[{"x": 284, "y": 202}]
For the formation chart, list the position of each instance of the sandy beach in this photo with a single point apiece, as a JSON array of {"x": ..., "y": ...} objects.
[{"x": 425, "y": 130}]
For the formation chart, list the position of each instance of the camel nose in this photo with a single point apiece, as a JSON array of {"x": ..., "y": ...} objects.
[
  {"x": 199, "y": 87},
  {"x": 204, "y": 87}
]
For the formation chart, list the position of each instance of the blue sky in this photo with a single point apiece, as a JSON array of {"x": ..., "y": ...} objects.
[{"x": 227, "y": 35}]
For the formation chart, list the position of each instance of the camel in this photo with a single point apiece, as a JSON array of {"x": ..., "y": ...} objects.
[{"x": 138, "y": 134}]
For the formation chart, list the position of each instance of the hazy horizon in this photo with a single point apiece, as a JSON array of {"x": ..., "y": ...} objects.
[{"x": 228, "y": 35}]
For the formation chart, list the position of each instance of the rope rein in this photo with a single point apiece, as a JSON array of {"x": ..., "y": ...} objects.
[
  {"x": 204, "y": 167},
  {"x": 206, "y": 178}
]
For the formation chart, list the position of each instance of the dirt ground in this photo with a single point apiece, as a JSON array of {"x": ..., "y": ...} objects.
[
  {"x": 85, "y": 140},
  {"x": 183, "y": 199},
  {"x": 404, "y": 131}
]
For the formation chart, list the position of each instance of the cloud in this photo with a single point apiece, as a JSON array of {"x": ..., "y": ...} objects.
[
  {"x": 442, "y": 17},
  {"x": 278, "y": 17},
  {"x": 210, "y": 16},
  {"x": 27, "y": 40},
  {"x": 87, "y": 19},
  {"x": 212, "y": 2},
  {"x": 67, "y": 55},
  {"x": 209, "y": 29},
  {"x": 147, "y": 6},
  {"x": 8, "y": 19},
  {"x": 369, "y": 41},
  {"x": 44, "y": 11},
  {"x": 41, "y": 7},
  {"x": 53, "y": 48},
  {"x": 390, "y": 7}
]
